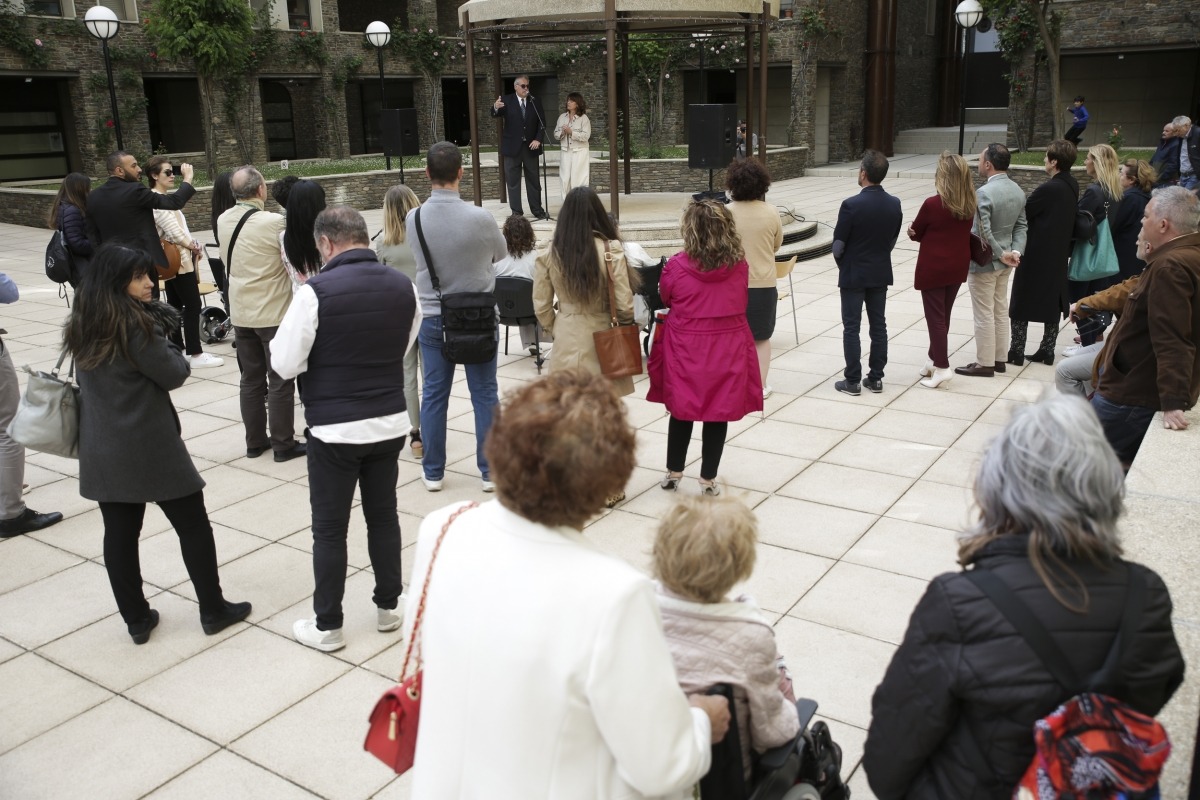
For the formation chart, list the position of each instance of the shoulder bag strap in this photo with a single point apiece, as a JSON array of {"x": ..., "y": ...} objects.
[
  {"x": 415, "y": 637},
  {"x": 612, "y": 291},
  {"x": 233, "y": 239},
  {"x": 433, "y": 278}
]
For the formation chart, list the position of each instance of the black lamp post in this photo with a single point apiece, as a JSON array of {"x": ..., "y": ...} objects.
[
  {"x": 968, "y": 14},
  {"x": 379, "y": 34},
  {"x": 102, "y": 23}
]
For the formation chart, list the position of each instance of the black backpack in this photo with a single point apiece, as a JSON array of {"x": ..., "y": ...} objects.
[{"x": 60, "y": 266}]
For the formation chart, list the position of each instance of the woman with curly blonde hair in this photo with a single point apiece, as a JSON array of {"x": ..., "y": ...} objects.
[{"x": 704, "y": 366}]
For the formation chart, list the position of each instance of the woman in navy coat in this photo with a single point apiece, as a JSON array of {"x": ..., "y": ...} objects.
[{"x": 69, "y": 214}]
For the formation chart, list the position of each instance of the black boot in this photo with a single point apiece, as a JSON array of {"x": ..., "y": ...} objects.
[
  {"x": 1045, "y": 351},
  {"x": 1016, "y": 350}
]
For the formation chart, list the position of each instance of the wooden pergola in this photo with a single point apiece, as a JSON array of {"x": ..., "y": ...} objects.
[{"x": 548, "y": 21}]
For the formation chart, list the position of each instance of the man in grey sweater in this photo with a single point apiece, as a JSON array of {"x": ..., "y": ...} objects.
[{"x": 463, "y": 242}]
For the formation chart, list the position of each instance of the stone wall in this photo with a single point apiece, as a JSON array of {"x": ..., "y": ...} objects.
[
  {"x": 916, "y": 68},
  {"x": 1029, "y": 178},
  {"x": 365, "y": 190}
]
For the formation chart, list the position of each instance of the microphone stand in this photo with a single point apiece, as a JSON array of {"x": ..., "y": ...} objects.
[{"x": 545, "y": 181}]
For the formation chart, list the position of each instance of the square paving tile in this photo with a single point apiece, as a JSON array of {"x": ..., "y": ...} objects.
[
  {"x": 108, "y": 765},
  {"x": 890, "y": 456},
  {"x": 224, "y": 774},
  {"x": 909, "y": 548},
  {"x": 342, "y": 706},
  {"x": 265, "y": 675},
  {"x": 956, "y": 467},
  {"x": 934, "y": 504},
  {"x": 784, "y": 438},
  {"x": 9, "y": 651},
  {"x": 36, "y": 696},
  {"x": 782, "y": 576},
  {"x": 823, "y": 530},
  {"x": 272, "y": 578},
  {"x": 883, "y": 601},
  {"x": 912, "y": 427},
  {"x": 56, "y": 605},
  {"x": 24, "y": 560},
  {"x": 920, "y": 400},
  {"x": 273, "y": 514},
  {"x": 819, "y": 413},
  {"x": 857, "y": 489}
]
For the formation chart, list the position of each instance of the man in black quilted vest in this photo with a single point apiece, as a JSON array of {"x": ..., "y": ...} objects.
[{"x": 344, "y": 338}]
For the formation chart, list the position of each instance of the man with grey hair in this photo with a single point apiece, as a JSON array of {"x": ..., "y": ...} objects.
[
  {"x": 521, "y": 145},
  {"x": 260, "y": 292},
  {"x": 1001, "y": 223},
  {"x": 1189, "y": 153},
  {"x": 346, "y": 334},
  {"x": 1151, "y": 360},
  {"x": 1166, "y": 158}
]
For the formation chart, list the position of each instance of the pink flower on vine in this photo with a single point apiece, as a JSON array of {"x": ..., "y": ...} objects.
[
  {"x": 38, "y": 42},
  {"x": 108, "y": 123}
]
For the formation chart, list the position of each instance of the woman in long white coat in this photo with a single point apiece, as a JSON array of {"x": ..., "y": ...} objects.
[{"x": 573, "y": 132}]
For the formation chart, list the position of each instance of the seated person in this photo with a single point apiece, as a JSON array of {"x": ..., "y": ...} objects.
[
  {"x": 706, "y": 545},
  {"x": 518, "y": 235}
]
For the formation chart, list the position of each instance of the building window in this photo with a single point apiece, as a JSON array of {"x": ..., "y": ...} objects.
[
  {"x": 298, "y": 16},
  {"x": 291, "y": 14},
  {"x": 50, "y": 8},
  {"x": 124, "y": 9},
  {"x": 355, "y": 15}
]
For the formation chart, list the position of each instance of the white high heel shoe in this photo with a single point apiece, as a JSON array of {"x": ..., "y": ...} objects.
[
  {"x": 927, "y": 370},
  {"x": 938, "y": 377}
]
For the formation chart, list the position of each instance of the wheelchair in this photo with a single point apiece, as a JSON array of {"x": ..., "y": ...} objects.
[
  {"x": 807, "y": 768},
  {"x": 648, "y": 291},
  {"x": 215, "y": 323}
]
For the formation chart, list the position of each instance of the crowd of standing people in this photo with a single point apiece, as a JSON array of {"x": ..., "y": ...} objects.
[{"x": 316, "y": 309}]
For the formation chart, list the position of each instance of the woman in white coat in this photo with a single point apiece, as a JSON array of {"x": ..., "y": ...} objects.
[
  {"x": 573, "y": 132},
  {"x": 546, "y": 674}
]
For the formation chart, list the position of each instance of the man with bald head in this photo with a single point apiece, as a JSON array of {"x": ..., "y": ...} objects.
[{"x": 260, "y": 292}]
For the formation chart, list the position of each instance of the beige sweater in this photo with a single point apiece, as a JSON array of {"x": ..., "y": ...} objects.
[
  {"x": 762, "y": 234},
  {"x": 733, "y": 643}
]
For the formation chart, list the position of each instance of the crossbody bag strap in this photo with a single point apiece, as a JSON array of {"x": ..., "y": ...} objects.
[
  {"x": 415, "y": 636},
  {"x": 612, "y": 291},
  {"x": 233, "y": 239},
  {"x": 433, "y": 278}
]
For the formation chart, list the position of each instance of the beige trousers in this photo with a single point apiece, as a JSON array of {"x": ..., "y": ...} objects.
[
  {"x": 574, "y": 169},
  {"x": 989, "y": 304}
]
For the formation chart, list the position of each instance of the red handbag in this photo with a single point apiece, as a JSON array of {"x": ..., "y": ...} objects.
[{"x": 392, "y": 733}]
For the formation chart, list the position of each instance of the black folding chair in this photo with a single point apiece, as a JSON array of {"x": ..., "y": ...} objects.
[{"x": 514, "y": 298}]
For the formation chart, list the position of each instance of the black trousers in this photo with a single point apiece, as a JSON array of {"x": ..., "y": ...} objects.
[
  {"x": 712, "y": 444},
  {"x": 1075, "y": 134},
  {"x": 123, "y": 528},
  {"x": 526, "y": 162},
  {"x": 333, "y": 472},
  {"x": 853, "y": 301},
  {"x": 184, "y": 294}
]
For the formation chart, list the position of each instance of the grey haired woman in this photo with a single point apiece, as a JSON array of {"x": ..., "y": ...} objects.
[{"x": 964, "y": 684}]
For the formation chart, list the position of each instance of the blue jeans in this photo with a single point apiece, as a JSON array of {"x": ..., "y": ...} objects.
[
  {"x": 1124, "y": 426},
  {"x": 852, "y": 307},
  {"x": 439, "y": 377}
]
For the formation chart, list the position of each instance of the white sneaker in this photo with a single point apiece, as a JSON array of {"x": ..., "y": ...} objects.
[
  {"x": 767, "y": 392},
  {"x": 307, "y": 634},
  {"x": 431, "y": 486},
  {"x": 205, "y": 361},
  {"x": 389, "y": 619},
  {"x": 488, "y": 486},
  {"x": 1072, "y": 350}
]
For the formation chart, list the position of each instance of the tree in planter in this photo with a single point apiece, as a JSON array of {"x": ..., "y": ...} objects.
[
  {"x": 216, "y": 35},
  {"x": 1022, "y": 24},
  {"x": 428, "y": 52}
]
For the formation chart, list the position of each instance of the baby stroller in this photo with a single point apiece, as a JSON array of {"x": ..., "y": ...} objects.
[
  {"x": 215, "y": 323},
  {"x": 648, "y": 292},
  {"x": 808, "y": 768}
]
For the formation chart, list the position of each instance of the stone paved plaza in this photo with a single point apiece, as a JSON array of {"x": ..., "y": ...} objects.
[{"x": 858, "y": 502}]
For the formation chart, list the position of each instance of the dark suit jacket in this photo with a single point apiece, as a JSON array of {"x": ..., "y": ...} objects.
[
  {"x": 518, "y": 132},
  {"x": 123, "y": 211},
  {"x": 867, "y": 227},
  {"x": 1166, "y": 161}
]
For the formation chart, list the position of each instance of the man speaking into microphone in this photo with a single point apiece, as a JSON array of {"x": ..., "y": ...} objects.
[{"x": 521, "y": 145}]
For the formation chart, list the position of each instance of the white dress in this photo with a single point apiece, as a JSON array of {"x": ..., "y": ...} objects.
[{"x": 574, "y": 168}]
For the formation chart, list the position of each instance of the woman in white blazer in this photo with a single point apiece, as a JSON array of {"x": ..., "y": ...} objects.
[
  {"x": 546, "y": 674},
  {"x": 572, "y": 132}
]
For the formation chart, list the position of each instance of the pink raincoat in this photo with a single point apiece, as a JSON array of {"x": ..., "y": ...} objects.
[{"x": 703, "y": 365}]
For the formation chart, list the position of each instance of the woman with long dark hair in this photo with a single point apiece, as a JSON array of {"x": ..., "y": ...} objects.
[
  {"x": 296, "y": 244},
  {"x": 704, "y": 366},
  {"x": 69, "y": 212},
  {"x": 130, "y": 449},
  {"x": 183, "y": 291},
  {"x": 576, "y": 269},
  {"x": 222, "y": 201}
]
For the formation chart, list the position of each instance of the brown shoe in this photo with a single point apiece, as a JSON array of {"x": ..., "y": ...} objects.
[
  {"x": 1000, "y": 366},
  {"x": 975, "y": 370}
]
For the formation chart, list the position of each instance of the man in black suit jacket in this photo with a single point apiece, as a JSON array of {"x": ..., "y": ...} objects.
[
  {"x": 867, "y": 227},
  {"x": 521, "y": 145},
  {"x": 122, "y": 210}
]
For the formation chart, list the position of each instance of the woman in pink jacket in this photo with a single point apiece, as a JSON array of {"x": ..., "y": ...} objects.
[{"x": 703, "y": 365}]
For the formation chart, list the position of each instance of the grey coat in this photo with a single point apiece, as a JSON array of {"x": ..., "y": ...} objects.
[
  {"x": 1000, "y": 219},
  {"x": 130, "y": 448}
]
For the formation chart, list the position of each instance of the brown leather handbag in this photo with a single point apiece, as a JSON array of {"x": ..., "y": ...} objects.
[
  {"x": 618, "y": 348},
  {"x": 174, "y": 261},
  {"x": 392, "y": 735}
]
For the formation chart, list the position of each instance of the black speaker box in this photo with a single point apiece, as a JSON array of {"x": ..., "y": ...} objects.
[
  {"x": 712, "y": 135},
  {"x": 399, "y": 126}
]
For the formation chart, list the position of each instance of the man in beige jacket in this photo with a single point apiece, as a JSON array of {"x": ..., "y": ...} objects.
[{"x": 259, "y": 295}]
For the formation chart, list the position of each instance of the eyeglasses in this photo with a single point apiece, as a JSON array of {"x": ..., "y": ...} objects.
[
  {"x": 170, "y": 173},
  {"x": 521, "y": 85}
]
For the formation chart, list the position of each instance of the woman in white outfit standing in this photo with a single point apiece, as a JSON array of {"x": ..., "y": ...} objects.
[{"x": 573, "y": 131}]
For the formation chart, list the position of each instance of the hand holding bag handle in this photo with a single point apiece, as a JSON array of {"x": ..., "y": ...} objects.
[
  {"x": 392, "y": 735},
  {"x": 617, "y": 348}
]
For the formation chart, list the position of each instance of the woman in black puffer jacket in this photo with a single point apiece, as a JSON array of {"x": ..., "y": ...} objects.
[{"x": 964, "y": 682}]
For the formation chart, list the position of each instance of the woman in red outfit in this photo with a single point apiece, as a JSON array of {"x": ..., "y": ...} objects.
[
  {"x": 943, "y": 227},
  {"x": 704, "y": 365}
]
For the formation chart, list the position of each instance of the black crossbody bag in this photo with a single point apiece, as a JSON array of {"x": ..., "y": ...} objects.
[{"x": 468, "y": 318}]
